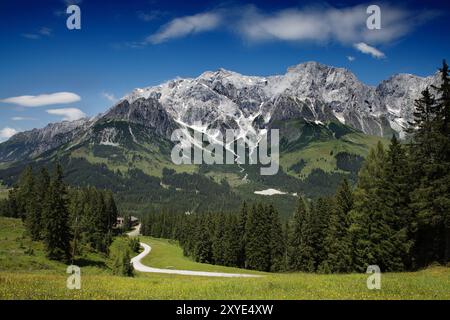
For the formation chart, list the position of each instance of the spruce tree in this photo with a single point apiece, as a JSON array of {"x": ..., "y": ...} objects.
[
  {"x": 395, "y": 191},
  {"x": 218, "y": 239},
  {"x": 277, "y": 244},
  {"x": 242, "y": 231},
  {"x": 257, "y": 248},
  {"x": 367, "y": 224},
  {"x": 337, "y": 242},
  {"x": 232, "y": 242},
  {"x": 318, "y": 221},
  {"x": 56, "y": 217},
  {"x": 430, "y": 159},
  {"x": 29, "y": 203},
  {"x": 295, "y": 242}
]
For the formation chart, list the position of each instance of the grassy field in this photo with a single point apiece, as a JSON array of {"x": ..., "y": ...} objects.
[
  {"x": 167, "y": 254},
  {"x": 32, "y": 276},
  {"x": 321, "y": 155}
]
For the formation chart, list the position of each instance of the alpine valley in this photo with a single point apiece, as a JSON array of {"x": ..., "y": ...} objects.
[{"x": 327, "y": 119}]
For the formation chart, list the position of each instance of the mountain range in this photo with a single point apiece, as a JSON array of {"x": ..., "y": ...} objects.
[{"x": 328, "y": 120}]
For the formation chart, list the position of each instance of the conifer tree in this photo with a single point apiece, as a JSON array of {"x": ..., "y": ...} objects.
[
  {"x": 242, "y": 231},
  {"x": 29, "y": 203},
  {"x": 277, "y": 245},
  {"x": 318, "y": 221},
  {"x": 56, "y": 217},
  {"x": 257, "y": 249},
  {"x": 367, "y": 227},
  {"x": 296, "y": 238},
  {"x": 218, "y": 239},
  {"x": 430, "y": 160},
  {"x": 203, "y": 245},
  {"x": 337, "y": 241},
  {"x": 232, "y": 242}
]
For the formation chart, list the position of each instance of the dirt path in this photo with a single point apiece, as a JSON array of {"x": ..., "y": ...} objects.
[{"x": 138, "y": 266}]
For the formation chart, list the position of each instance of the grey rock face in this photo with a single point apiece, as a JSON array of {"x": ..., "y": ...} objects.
[{"x": 225, "y": 99}]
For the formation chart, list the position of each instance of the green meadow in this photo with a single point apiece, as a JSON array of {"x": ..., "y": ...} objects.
[{"x": 25, "y": 273}]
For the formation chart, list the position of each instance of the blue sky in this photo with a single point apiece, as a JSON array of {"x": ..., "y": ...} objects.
[{"x": 49, "y": 73}]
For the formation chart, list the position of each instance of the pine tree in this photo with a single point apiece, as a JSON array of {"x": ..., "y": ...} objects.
[
  {"x": 395, "y": 191},
  {"x": 242, "y": 235},
  {"x": 367, "y": 223},
  {"x": 296, "y": 242},
  {"x": 232, "y": 242},
  {"x": 29, "y": 203},
  {"x": 218, "y": 239},
  {"x": 277, "y": 245},
  {"x": 318, "y": 221},
  {"x": 257, "y": 249},
  {"x": 26, "y": 195},
  {"x": 337, "y": 242},
  {"x": 56, "y": 217},
  {"x": 430, "y": 158},
  {"x": 111, "y": 209},
  {"x": 203, "y": 244}
]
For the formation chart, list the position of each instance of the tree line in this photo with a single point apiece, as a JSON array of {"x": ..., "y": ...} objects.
[
  {"x": 397, "y": 216},
  {"x": 67, "y": 220}
]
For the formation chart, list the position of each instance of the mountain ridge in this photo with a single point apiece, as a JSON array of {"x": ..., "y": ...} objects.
[{"x": 226, "y": 99}]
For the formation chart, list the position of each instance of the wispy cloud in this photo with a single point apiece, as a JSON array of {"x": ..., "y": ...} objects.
[
  {"x": 365, "y": 48},
  {"x": 351, "y": 58},
  {"x": 7, "y": 133},
  {"x": 43, "y": 99},
  {"x": 109, "y": 96},
  {"x": 70, "y": 2},
  {"x": 317, "y": 24},
  {"x": 187, "y": 25},
  {"x": 42, "y": 32},
  {"x": 45, "y": 31},
  {"x": 23, "y": 119},
  {"x": 151, "y": 15},
  {"x": 68, "y": 114}
]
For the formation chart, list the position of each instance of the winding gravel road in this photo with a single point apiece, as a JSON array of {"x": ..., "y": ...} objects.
[{"x": 138, "y": 266}]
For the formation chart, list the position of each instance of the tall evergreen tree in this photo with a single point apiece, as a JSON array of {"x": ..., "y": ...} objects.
[
  {"x": 395, "y": 191},
  {"x": 430, "y": 159},
  {"x": 337, "y": 241},
  {"x": 218, "y": 239},
  {"x": 56, "y": 217},
  {"x": 367, "y": 223},
  {"x": 318, "y": 221},
  {"x": 29, "y": 203},
  {"x": 296, "y": 245},
  {"x": 277, "y": 244},
  {"x": 242, "y": 231},
  {"x": 232, "y": 242},
  {"x": 257, "y": 249}
]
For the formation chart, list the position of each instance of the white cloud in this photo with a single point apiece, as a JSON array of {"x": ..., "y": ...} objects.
[
  {"x": 184, "y": 26},
  {"x": 320, "y": 24},
  {"x": 365, "y": 48},
  {"x": 69, "y": 114},
  {"x": 109, "y": 96},
  {"x": 351, "y": 58},
  {"x": 7, "y": 133},
  {"x": 43, "y": 99},
  {"x": 22, "y": 119}
]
